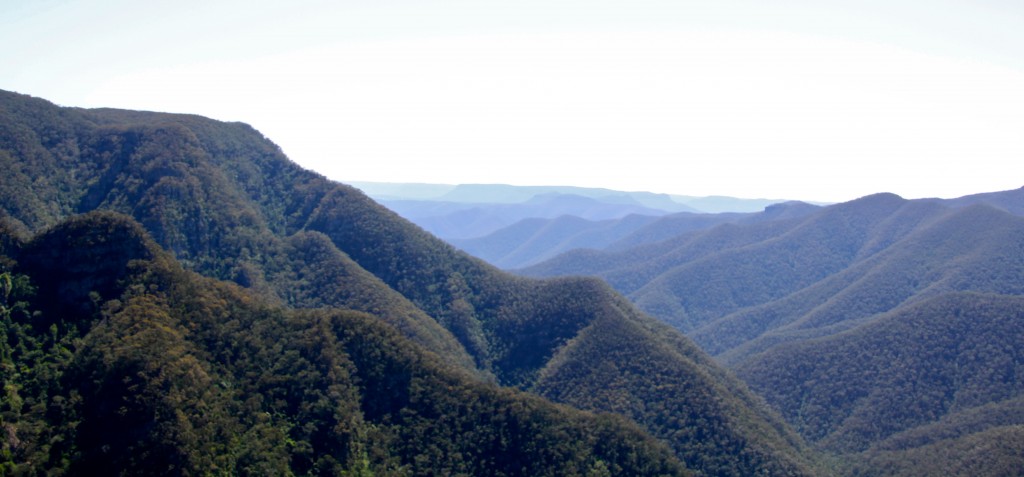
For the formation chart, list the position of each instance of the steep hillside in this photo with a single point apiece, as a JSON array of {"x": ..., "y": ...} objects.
[
  {"x": 220, "y": 197},
  {"x": 226, "y": 203},
  {"x": 982, "y": 440},
  {"x": 766, "y": 274},
  {"x": 971, "y": 249},
  {"x": 628, "y": 367},
  {"x": 711, "y": 285},
  {"x": 116, "y": 361},
  {"x": 904, "y": 369},
  {"x": 861, "y": 322}
]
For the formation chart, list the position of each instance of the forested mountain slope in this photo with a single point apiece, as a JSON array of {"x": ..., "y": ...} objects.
[
  {"x": 699, "y": 280},
  {"x": 943, "y": 355},
  {"x": 227, "y": 204},
  {"x": 116, "y": 361},
  {"x": 861, "y": 323},
  {"x": 977, "y": 248}
]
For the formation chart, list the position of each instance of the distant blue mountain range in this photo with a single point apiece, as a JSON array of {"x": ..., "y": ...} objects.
[{"x": 467, "y": 211}]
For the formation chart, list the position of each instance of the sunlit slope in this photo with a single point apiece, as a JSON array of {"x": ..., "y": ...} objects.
[
  {"x": 118, "y": 361},
  {"x": 228, "y": 204},
  {"x": 863, "y": 323}
]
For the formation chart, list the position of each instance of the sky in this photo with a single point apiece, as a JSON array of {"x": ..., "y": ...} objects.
[{"x": 789, "y": 99}]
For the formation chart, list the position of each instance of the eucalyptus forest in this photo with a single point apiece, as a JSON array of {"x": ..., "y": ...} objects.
[{"x": 178, "y": 298}]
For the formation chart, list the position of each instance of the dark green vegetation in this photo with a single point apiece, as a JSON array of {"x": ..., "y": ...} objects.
[
  {"x": 165, "y": 372},
  {"x": 277, "y": 322},
  {"x": 886, "y": 331}
]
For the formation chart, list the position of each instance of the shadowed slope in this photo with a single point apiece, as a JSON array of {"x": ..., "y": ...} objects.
[
  {"x": 229, "y": 205},
  {"x": 170, "y": 373}
]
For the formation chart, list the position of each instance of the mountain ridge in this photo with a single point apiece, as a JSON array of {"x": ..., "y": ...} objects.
[
  {"x": 859, "y": 322},
  {"x": 164, "y": 363},
  {"x": 534, "y": 240},
  {"x": 468, "y": 211},
  {"x": 225, "y": 203}
]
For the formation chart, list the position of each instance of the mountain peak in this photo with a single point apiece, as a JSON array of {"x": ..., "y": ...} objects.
[{"x": 342, "y": 297}]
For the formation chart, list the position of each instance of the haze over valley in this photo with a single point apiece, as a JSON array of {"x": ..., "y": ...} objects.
[
  {"x": 229, "y": 300},
  {"x": 863, "y": 323},
  {"x": 648, "y": 238}
]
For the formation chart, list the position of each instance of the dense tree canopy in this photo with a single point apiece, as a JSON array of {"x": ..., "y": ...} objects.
[
  {"x": 366, "y": 333},
  {"x": 862, "y": 323}
]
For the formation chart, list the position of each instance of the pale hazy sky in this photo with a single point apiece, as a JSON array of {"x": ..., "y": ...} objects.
[{"x": 809, "y": 100}]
